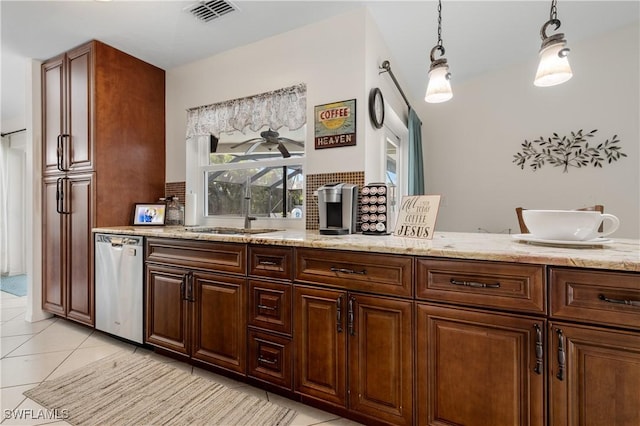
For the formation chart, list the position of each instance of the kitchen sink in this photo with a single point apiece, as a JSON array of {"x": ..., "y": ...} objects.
[{"x": 231, "y": 231}]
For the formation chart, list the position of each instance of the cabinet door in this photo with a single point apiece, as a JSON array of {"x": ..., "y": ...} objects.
[
  {"x": 53, "y": 104},
  {"x": 167, "y": 309},
  {"x": 220, "y": 325},
  {"x": 380, "y": 358},
  {"x": 594, "y": 376},
  {"x": 79, "y": 211},
  {"x": 477, "y": 368},
  {"x": 54, "y": 267},
  {"x": 321, "y": 343},
  {"x": 77, "y": 147}
]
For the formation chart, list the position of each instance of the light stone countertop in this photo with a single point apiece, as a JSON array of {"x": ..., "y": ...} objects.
[{"x": 620, "y": 254}]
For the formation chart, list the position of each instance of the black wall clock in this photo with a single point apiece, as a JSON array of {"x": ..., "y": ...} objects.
[{"x": 376, "y": 108}]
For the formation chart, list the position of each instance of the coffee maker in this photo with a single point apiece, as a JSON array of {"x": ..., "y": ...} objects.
[{"x": 338, "y": 206}]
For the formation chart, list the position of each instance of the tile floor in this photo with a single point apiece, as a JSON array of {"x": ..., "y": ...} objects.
[{"x": 36, "y": 352}]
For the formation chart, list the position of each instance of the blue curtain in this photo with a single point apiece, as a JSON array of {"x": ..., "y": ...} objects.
[{"x": 416, "y": 166}]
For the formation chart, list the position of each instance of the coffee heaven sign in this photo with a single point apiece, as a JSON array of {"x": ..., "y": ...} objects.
[
  {"x": 335, "y": 124},
  {"x": 417, "y": 216}
]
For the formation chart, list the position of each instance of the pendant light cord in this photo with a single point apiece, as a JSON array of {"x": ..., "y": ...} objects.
[
  {"x": 440, "y": 23},
  {"x": 553, "y": 14}
]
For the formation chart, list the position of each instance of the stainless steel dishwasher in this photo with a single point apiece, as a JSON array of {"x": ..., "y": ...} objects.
[{"x": 119, "y": 285}]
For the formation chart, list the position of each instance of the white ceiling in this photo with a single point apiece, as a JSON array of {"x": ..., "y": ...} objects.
[{"x": 479, "y": 36}]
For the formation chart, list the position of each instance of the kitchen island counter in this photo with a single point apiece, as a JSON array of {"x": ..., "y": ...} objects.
[{"x": 620, "y": 254}]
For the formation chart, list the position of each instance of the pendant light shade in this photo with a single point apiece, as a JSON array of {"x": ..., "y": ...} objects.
[
  {"x": 554, "y": 65},
  {"x": 439, "y": 86}
]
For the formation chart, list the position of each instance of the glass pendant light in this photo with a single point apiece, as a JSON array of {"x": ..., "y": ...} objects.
[
  {"x": 439, "y": 86},
  {"x": 554, "y": 66}
]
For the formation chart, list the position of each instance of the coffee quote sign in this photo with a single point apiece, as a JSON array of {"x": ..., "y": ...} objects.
[{"x": 417, "y": 216}]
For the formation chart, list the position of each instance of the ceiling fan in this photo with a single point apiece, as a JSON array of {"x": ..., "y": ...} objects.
[{"x": 269, "y": 138}]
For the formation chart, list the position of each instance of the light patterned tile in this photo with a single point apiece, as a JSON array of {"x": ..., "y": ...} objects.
[
  {"x": 12, "y": 396},
  {"x": 19, "y": 327},
  {"x": 81, "y": 357},
  {"x": 23, "y": 370},
  {"x": 8, "y": 314},
  {"x": 11, "y": 343},
  {"x": 60, "y": 336}
]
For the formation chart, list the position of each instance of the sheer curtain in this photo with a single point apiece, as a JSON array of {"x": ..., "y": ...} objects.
[
  {"x": 416, "y": 166},
  {"x": 284, "y": 107}
]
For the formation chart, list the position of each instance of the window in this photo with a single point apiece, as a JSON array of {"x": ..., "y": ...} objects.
[
  {"x": 263, "y": 167},
  {"x": 254, "y": 163}
]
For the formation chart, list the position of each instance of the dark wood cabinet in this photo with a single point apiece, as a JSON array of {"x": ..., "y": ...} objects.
[
  {"x": 321, "y": 344},
  {"x": 197, "y": 312},
  {"x": 219, "y": 320},
  {"x": 103, "y": 117},
  {"x": 594, "y": 376},
  {"x": 479, "y": 368},
  {"x": 69, "y": 207},
  {"x": 594, "y": 347},
  {"x": 168, "y": 312},
  {"x": 461, "y": 343},
  {"x": 269, "y": 331},
  {"x": 355, "y": 351}
]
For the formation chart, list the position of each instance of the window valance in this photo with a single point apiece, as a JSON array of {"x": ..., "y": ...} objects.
[{"x": 284, "y": 107}]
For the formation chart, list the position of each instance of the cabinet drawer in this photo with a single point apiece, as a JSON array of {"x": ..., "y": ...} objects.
[
  {"x": 610, "y": 298},
  {"x": 376, "y": 273},
  {"x": 271, "y": 262},
  {"x": 515, "y": 287},
  {"x": 270, "y": 358},
  {"x": 221, "y": 257},
  {"x": 270, "y": 306}
]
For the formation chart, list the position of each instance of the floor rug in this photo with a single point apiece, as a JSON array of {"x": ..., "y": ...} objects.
[
  {"x": 15, "y": 284},
  {"x": 130, "y": 389}
]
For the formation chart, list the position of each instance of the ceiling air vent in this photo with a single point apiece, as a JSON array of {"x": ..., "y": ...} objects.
[{"x": 209, "y": 10}]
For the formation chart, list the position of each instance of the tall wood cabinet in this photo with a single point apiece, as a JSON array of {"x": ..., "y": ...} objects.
[{"x": 103, "y": 149}]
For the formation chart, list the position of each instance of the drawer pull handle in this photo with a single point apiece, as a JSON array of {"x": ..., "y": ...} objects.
[
  {"x": 619, "y": 301},
  {"x": 267, "y": 263},
  {"x": 474, "y": 284},
  {"x": 348, "y": 271},
  {"x": 562, "y": 359},
  {"x": 268, "y": 308},
  {"x": 350, "y": 316},
  {"x": 339, "y": 314},
  {"x": 539, "y": 350},
  {"x": 267, "y": 361}
]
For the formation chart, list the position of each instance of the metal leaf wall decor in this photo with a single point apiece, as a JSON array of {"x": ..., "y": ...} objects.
[{"x": 568, "y": 151}]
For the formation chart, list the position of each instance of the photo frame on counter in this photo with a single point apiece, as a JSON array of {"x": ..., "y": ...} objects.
[
  {"x": 149, "y": 214},
  {"x": 335, "y": 124},
  {"x": 417, "y": 216}
]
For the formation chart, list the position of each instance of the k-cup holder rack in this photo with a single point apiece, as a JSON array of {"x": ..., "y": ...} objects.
[{"x": 374, "y": 209}]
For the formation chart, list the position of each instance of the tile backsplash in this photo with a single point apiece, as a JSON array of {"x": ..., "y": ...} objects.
[
  {"x": 177, "y": 189},
  {"x": 316, "y": 181}
]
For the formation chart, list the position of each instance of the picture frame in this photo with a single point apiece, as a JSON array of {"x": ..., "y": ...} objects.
[
  {"x": 335, "y": 124},
  {"x": 149, "y": 214}
]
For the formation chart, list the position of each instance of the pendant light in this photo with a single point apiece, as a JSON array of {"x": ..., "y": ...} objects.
[
  {"x": 554, "y": 66},
  {"x": 439, "y": 86}
]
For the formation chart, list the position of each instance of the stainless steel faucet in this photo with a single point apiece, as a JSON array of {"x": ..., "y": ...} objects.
[{"x": 247, "y": 205}]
